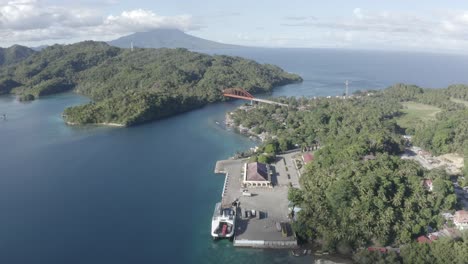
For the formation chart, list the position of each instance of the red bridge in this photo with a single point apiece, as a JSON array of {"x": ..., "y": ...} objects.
[{"x": 240, "y": 93}]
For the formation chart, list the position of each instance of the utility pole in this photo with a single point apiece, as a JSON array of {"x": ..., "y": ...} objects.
[
  {"x": 131, "y": 46},
  {"x": 347, "y": 83}
]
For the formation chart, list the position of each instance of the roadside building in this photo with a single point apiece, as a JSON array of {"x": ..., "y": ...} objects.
[
  {"x": 256, "y": 174},
  {"x": 460, "y": 219},
  {"x": 427, "y": 183},
  {"x": 449, "y": 232},
  {"x": 434, "y": 236},
  {"x": 423, "y": 239},
  {"x": 447, "y": 216}
]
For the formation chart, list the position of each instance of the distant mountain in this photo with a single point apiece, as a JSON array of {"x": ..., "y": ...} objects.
[
  {"x": 39, "y": 48},
  {"x": 168, "y": 38},
  {"x": 14, "y": 54}
]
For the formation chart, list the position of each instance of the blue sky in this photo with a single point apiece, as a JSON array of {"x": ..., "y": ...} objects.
[{"x": 440, "y": 26}]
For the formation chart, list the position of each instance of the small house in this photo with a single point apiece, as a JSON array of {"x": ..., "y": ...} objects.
[
  {"x": 427, "y": 183},
  {"x": 423, "y": 239},
  {"x": 460, "y": 219}
]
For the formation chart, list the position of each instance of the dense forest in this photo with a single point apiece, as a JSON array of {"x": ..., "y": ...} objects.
[
  {"x": 14, "y": 54},
  {"x": 130, "y": 87},
  {"x": 54, "y": 69},
  {"x": 307, "y": 121},
  {"x": 131, "y": 109},
  {"x": 358, "y": 191}
]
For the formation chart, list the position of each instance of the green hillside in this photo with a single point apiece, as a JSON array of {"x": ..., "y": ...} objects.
[
  {"x": 131, "y": 87},
  {"x": 14, "y": 54}
]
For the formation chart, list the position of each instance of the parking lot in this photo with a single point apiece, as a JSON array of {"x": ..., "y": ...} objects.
[{"x": 271, "y": 202}]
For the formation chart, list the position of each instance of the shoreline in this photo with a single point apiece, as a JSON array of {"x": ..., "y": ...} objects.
[
  {"x": 111, "y": 124},
  {"x": 96, "y": 124},
  {"x": 229, "y": 122}
]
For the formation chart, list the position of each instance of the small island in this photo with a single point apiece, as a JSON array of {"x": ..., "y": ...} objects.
[
  {"x": 381, "y": 174},
  {"x": 130, "y": 87}
]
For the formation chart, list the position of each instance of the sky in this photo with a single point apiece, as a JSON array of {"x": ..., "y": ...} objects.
[{"x": 430, "y": 25}]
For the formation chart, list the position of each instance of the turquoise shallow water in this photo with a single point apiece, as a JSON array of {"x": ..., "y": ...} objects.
[{"x": 146, "y": 194}]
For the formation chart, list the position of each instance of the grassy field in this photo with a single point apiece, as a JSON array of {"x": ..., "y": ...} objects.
[
  {"x": 415, "y": 113},
  {"x": 459, "y": 101}
]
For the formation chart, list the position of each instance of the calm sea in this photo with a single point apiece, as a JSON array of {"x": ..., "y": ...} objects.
[{"x": 146, "y": 194}]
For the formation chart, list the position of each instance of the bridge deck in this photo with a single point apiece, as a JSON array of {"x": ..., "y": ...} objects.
[
  {"x": 238, "y": 96},
  {"x": 255, "y": 99},
  {"x": 268, "y": 102}
]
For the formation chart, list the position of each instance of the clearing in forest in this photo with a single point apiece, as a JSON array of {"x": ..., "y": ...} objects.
[
  {"x": 459, "y": 101},
  {"x": 414, "y": 113}
]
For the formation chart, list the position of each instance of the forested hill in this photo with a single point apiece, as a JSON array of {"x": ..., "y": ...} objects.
[
  {"x": 54, "y": 69},
  {"x": 168, "y": 38},
  {"x": 14, "y": 54},
  {"x": 131, "y": 87}
]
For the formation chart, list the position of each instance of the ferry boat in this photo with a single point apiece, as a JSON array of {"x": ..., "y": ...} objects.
[{"x": 223, "y": 222}]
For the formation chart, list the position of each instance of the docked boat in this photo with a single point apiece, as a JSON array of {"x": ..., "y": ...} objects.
[{"x": 223, "y": 222}]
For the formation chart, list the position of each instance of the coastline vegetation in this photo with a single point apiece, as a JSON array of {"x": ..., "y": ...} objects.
[{"x": 132, "y": 87}]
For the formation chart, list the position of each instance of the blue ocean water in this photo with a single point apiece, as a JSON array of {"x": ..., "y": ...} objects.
[
  {"x": 325, "y": 70},
  {"x": 145, "y": 194}
]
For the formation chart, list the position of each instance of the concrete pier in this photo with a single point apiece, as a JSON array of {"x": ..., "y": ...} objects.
[{"x": 269, "y": 204}]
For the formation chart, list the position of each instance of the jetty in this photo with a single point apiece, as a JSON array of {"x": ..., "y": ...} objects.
[{"x": 263, "y": 213}]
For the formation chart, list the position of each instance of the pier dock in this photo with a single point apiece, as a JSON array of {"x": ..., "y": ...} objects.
[{"x": 268, "y": 223}]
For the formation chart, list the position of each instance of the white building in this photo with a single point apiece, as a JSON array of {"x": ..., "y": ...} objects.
[{"x": 460, "y": 219}]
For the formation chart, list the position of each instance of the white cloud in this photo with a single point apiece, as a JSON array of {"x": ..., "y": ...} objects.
[
  {"x": 299, "y": 18},
  {"x": 143, "y": 20},
  {"x": 358, "y": 13},
  {"x": 31, "y": 20},
  {"x": 438, "y": 30},
  {"x": 24, "y": 15}
]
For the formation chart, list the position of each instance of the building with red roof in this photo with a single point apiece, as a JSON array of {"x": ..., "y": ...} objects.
[
  {"x": 307, "y": 157},
  {"x": 423, "y": 239},
  {"x": 257, "y": 174}
]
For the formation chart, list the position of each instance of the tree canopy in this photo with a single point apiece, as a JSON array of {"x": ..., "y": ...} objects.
[
  {"x": 358, "y": 191},
  {"x": 124, "y": 84},
  {"x": 14, "y": 54}
]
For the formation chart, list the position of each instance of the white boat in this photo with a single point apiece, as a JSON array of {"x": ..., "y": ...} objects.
[{"x": 223, "y": 222}]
